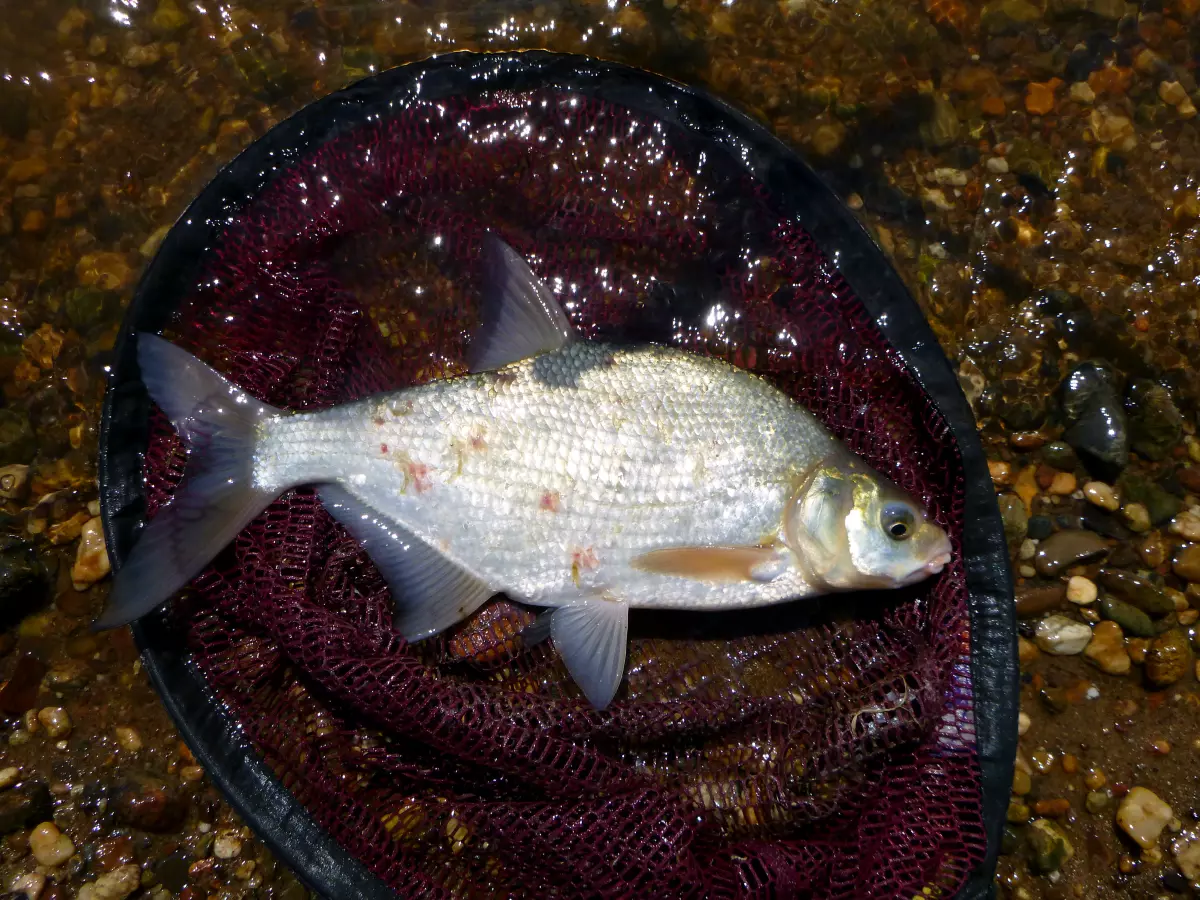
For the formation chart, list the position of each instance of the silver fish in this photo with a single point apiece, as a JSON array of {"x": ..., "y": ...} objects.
[{"x": 580, "y": 476}]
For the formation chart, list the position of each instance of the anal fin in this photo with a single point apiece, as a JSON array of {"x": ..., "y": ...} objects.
[
  {"x": 431, "y": 592},
  {"x": 591, "y": 635},
  {"x": 716, "y": 564}
]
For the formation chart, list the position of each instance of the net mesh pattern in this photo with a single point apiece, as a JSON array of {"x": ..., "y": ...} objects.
[{"x": 817, "y": 749}]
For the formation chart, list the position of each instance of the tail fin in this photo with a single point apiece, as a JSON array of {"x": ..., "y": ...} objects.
[{"x": 217, "y": 499}]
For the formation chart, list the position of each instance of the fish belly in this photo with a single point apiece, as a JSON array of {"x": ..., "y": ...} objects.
[{"x": 547, "y": 478}]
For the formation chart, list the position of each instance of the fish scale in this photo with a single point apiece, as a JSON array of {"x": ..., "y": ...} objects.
[{"x": 594, "y": 448}]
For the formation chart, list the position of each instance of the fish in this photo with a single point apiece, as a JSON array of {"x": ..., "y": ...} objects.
[{"x": 583, "y": 477}]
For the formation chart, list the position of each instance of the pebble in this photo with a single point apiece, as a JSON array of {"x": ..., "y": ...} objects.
[
  {"x": 149, "y": 804},
  {"x": 128, "y": 738},
  {"x": 1186, "y": 563},
  {"x": 110, "y": 271},
  {"x": 1068, "y": 548},
  {"x": 1063, "y": 484},
  {"x": 1101, "y": 495},
  {"x": 91, "y": 560},
  {"x": 1153, "y": 550},
  {"x": 24, "y": 806},
  {"x": 1129, "y": 617},
  {"x": 1048, "y": 846},
  {"x": 1143, "y": 815},
  {"x": 1187, "y": 857},
  {"x": 226, "y": 846},
  {"x": 1168, "y": 658},
  {"x": 50, "y": 847},
  {"x": 8, "y": 777},
  {"x": 1023, "y": 722},
  {"x": 1028, "y": 549},
  {"x": 1186, "y": 525},
  {"x": 1061, "y": 636},
  {"x": 1172, "y": 92},
  {"x": 1094, "y": 778},
  {"x": 115, "y": 885},
  {"x": 1139, "y": 591},
  {"x": 1070, "y": 763},
  {"x": 997, "y": 165},
  {"x": 1082, "y": 92},
  {"x": 1136, "y": 516},
  {"x": 1137, "y": 647},
  {"x": 1033, "y": 601},
  {"x": 1000, "y": 471},
  {"x": 1107, "y": 649},
  {"x": 1039, "y": 97},
  {"x": 1014, "y": 517},
  {"x": 1027, "y": 651},
  {"x": 1096, "y": 801},
  {"x": 1095, "y": 417},
  {"x": 55, "y": 720},
  {"x": 1081, "y": 591},
  {"x": 1022, "y": 783},
  {"x": 31, "y": 885}
]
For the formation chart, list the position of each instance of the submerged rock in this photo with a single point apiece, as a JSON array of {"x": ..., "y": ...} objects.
[
  {"x": 1106, "y": 650},
  {"x": 1012, "y": 513},
  {"x": 1139, "y": 591},
  {"x": 1129, "y": 617},
  {"x": 1161, "y": 505},
  {"x": 1068, "y": 548},
  {"x": 23, "y": 583},
  {"x": 24, "y": 807},
  {"x": 1062, "y": 636},
  {"x": 1168, "y": 658},
  {"x": 149, "y": 804},
  {"x": 1096, "y": 425},
  {"x": 1048, "y": 846},
  {"x": 1143, "y": 815},
  {"x": 1186, "y": 563},
  {"x": 1155, "y": 423}
]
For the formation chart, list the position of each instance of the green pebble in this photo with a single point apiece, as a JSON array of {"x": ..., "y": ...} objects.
[
  {"x": 1060, "y": 455},
  {"x": 1096, "y": 802},
  {"x": 1131, "y": 619}
]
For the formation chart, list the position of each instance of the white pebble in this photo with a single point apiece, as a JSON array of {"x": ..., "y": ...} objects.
[
  {"x": 1062, "y": 636},
  {"x": 30, "y": 884},
  {"x": 55, "y": 720},
  {"x": 1081, "y": 591},
  {"x": 226, "y": 846},
  {"x": 1186, "y": 525},
  {"x": 1143, "y": 815},
  {"x": 1023, "y": 722},
  {"x": 1028, "y": 549},
  {"x": 997, "y": 165},
  {"x": 50, "y": 847},
  {"x": 1027, "y": 571},
  {"x": 129, "y": 739},
  {"x": 115, "y": 885},
  {"x": 8, "y": 777}
]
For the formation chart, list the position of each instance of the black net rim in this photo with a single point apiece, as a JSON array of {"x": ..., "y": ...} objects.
[{"x": 214, "y": 736}]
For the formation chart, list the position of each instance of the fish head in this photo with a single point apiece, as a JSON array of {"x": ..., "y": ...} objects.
[{"x": 854, "y": 529}]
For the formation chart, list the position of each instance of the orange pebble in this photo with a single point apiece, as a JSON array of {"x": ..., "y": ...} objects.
[
  {"x": 993, "y": 106},
  {"x": 1039, "y": 97},
  {"x": 1055, "y": 809},
  {"x": 1070, "y": 763}
]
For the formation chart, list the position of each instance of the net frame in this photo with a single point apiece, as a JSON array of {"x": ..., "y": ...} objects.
[{"x": 219, "y": 741}]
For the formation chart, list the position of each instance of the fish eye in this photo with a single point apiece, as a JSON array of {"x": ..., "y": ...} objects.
[{"x": 897, "y": 520}]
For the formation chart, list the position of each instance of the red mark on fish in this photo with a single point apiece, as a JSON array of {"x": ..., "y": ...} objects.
[{"x": 550, "y": 502}]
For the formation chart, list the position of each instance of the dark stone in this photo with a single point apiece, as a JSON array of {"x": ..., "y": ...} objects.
[
  {"x": 1095, "y": 419},
  {"x": 25, "y": 806},
  {"x": 1097, "y": 520},
  {"x": 1012, "y": 513},
  {"x": 149, "y": 804},
  {"x": 1040, "y": 527},
  {"x": 1175, "y": 882},
  {"x": 23, "y": 583},
  {"x": 1131, "y": 619},
  {"x": 1155, "y": 423},
  {"x": 1010, "y": 841},
  {"x": 86, "y": 306},
  {"x": 17, "y": 443},
  {"x": 1064, "y": 549},
  {"x": 113, "y": 853},
  {"x": 1161, "y": 504},
  {"x": 1139, "y": 591},
  {"x": 20, "y": 692},
  {"x": 1033, "y": 601},
  {"x": 172, "y": 872},
  {"x": 1189, "y": 479},
  {"x": 14, "y": 109},
  {"x": 1060, "y": 455}
]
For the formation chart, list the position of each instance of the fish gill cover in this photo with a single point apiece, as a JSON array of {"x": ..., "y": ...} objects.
[{"x": 821, "y": 749}]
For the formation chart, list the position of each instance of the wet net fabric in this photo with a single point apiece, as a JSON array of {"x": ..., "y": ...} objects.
[{"x": 818, "y": 749}]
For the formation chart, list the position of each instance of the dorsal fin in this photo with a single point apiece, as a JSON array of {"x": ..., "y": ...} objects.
[{"x": 521, "y": 318}]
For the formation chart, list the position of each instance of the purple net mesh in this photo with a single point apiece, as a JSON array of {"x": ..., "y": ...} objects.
[{"x": 817, "y": 750}]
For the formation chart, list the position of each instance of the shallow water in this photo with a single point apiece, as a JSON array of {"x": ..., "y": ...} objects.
[{"x": 1032, "y": 168}]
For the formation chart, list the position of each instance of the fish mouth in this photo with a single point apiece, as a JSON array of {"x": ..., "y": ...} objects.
[{"x": 935, "y": 565}]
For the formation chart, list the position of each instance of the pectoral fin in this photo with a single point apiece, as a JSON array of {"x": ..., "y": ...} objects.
[
  {"x": 719, "y": 564},
  {"x": 591, "y": 636},
  {"x": 431, "y": 592}
]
